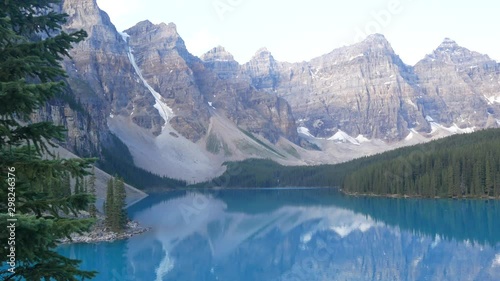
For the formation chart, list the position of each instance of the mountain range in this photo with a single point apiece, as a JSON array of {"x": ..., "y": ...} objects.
[{"x": 182, "y": 116}]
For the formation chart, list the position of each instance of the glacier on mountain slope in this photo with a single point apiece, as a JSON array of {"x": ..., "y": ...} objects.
[{"x": 163, "y": 109}]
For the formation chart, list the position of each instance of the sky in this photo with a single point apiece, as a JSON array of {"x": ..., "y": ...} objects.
[{"x": 300, "y": 30}]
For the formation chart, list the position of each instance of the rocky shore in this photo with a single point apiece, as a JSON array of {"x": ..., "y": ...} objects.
[{"x": 100, "y": 233}]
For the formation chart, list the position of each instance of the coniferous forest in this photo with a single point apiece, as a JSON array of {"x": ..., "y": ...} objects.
[{"x": 458, "y": 166}]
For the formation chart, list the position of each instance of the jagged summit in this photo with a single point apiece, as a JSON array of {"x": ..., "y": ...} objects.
[
  {"x": 85, "y": 14},
  {"x": 375, "y": 41},
  {"x": 376, "y": 37},
  {"x": 450, "y": 52},
  {"x": 263, "y": 69},
  {"x": 448, "y": 45},
  {"x": 262, "y": 54},
  {"x": 362, "y": 91},
  {"x": 163, "y": 36},
  {"x": 262, "y": 51},
  {"x": 147, "y": 26},
  {"x": 218, "y": 53}
]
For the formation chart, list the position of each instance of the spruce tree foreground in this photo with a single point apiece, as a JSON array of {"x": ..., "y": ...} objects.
[
  {"x": 36, "y": 209},
  {"x": 114, "y": 207}
]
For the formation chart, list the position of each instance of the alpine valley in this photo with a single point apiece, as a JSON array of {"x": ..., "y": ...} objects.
[{"x": 183, "y": 116}]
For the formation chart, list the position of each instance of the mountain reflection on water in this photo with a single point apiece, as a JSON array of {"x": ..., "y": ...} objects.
[{"x": 307, "y": 234}]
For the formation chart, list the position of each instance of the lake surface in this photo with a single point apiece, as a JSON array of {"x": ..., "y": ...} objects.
[{"x": 306, "y": 234}]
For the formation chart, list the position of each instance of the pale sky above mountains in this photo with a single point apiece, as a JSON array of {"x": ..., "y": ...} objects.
[{"x": 300, "y": 30}]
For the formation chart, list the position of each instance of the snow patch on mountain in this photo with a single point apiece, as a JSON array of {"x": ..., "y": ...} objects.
[
  {"x": 305, "y": 131},
  {"x": 355, "y": 57},
  {"x": 362, "y": 139},
  {"x": 343, "y": 137},
  {"x": 453, "y": 129},
  {"x": 409, "y": 136},
  {"x": 124, "y": 36},
  {"x": 493, "y": 99},
  {"x": 163, "y": 109}
]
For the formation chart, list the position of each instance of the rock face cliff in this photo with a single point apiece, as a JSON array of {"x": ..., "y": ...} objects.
[
  {"x": 101, "y": 83},
  {"x": 196, "y": 88},
  {"x": 147, "y": 81},
  {"x": 366, "y": 89},
  {"x": 165, "y": 63},
  {"x": 459, "y": 86},
  {"x": 228, "y": 88},
  {"x": 144, "y": 79}
]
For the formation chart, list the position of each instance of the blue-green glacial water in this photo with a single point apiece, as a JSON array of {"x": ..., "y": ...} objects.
[{"x": 306, "y": 234}]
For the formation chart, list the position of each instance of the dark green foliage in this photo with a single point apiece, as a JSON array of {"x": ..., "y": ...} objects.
[
  {"x": 458, "y": 166},
  {"x": 92, "y": 190},
  {"x": 266, "y": 173},
  {"x": 118, "y": 160},
  {"x": 109, "y": 207},
  {"x": 31, "y": 48},
  {"x": 114, "y": 209},
  {"x": 119, "y": 205}
]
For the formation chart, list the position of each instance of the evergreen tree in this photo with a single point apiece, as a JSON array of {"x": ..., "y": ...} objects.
[
  {"x": 92, "y": 190},
  {"x": 459, "y": 166},
  {"x": 119, "y": 205},
  {"x": 116, "y": 216},
  {"x": 489, "y": 178},
  {"x": 78, "y": 186},
  {"x": 32, "y": 46},
  {"x": 109, "y": 206}
]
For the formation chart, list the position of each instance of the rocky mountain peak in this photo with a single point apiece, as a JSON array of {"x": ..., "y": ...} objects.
[
  {"x": 377, "y": 41},
  {"x": 460, "y": 85},
  {"x": 448, "y": 44},
  {"x": 449, "y": 52},
  {"x": 217, "y": 54},
  {"x": 262, "y": 52},
  {"x": 84, "y": 14},
  {"x": 164, "y": 36},
  {"x": 263, "y": 69}
]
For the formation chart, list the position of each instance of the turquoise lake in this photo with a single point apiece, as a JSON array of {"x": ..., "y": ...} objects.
[{"x": 301, "y": 234}]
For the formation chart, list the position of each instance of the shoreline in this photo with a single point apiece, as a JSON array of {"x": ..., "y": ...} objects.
[
  {"x": 99, "y": 233},
  {"x": 337, "y": 188},
  {"x": 404, "y": 196}
]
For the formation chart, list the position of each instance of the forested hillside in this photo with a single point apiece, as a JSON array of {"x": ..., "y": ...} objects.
[{"x": 458, "y": 166}]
